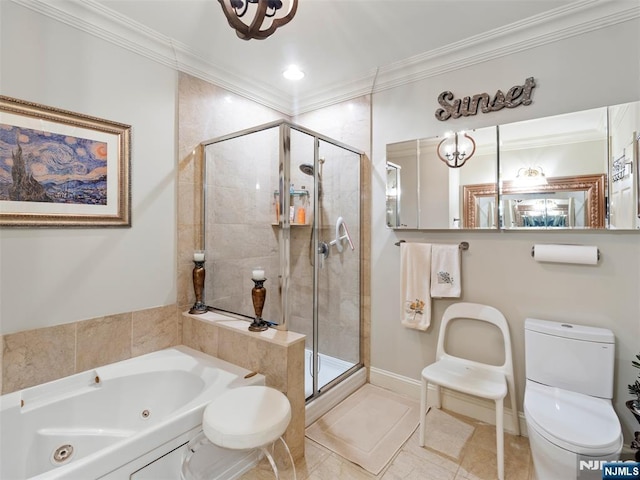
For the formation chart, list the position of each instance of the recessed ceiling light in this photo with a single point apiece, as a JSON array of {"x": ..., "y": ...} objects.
[{"x": 293, "y": 73}]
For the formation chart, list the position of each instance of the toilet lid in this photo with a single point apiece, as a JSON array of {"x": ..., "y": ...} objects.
[{"x": 573, "y": 421}]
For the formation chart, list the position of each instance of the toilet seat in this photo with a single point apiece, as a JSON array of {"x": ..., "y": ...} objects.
[{"x": 573, "y": 421}]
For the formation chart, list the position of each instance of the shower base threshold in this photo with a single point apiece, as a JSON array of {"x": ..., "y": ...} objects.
[
  {"x": 329, "y": 368},
  {"x": 317, "y": 407}
]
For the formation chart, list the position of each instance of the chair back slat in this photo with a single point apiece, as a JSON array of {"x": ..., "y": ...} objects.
[{"x": 476, "y": 311}]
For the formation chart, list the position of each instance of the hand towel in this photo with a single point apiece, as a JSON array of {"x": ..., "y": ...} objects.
[
  {"x": 415, "y": 268},
  {"x": 445, "y": 271}
]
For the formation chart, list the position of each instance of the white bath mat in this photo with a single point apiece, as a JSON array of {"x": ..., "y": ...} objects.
[
  {"x": 445, "y": 433},
  {"x": 367, "y": 428}
]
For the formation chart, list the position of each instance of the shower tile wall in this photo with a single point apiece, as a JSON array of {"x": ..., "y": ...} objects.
[{"x": 205, "y": 111}]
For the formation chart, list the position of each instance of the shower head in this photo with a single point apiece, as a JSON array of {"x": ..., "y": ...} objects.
[{"x": 307, "y": 169}]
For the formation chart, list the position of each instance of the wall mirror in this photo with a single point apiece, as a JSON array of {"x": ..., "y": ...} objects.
[
  {"x": 572, "y": 171},
  {"x": 428, "y": 194}
]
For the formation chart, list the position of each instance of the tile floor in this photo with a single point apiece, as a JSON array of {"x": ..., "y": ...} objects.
[{"x": 477, "y": 461}]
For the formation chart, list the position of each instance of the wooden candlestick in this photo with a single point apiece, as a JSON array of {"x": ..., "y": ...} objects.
[
  {"x": 258, "y": 295},
  {"x": 198, "y": 286}
]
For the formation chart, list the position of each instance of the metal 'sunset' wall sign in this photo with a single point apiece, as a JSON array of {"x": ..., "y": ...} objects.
[{"x": 467, "y": 106}]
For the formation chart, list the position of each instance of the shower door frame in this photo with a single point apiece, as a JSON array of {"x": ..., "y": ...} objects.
[{"x": 284, "y": 178}]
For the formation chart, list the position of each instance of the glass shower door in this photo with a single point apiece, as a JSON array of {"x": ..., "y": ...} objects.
[
  {"x": 324, "y": 262},
  {"x": 336, "y": 336}
]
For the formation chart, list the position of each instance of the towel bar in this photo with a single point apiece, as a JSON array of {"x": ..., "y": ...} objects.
[{"x": 461, "y": 246}]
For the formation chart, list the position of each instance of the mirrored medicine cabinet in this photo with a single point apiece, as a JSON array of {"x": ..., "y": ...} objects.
[{"x": 574, "y": 171}]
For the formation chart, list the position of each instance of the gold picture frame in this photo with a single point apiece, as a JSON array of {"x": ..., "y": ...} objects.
[
  {"x": 592, "y": 185},
  {"x": 62, "y": 169}
]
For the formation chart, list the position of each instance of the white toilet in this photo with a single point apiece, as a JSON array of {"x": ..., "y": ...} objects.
[{"x": 567, "y": 400}]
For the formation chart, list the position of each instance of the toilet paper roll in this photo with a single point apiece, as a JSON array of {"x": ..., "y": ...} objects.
[{"x": 580, "y": 254}]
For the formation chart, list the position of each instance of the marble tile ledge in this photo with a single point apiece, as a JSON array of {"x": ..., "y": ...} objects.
[{"x": 284, "y": 338}]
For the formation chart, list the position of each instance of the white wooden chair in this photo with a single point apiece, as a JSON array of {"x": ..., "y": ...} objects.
[{"x": 471, "y": 377}]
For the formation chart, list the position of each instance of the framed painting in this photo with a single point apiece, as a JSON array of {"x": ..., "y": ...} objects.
[{"x": 62, "y": 169}]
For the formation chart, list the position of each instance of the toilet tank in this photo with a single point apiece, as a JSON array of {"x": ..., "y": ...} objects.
[{"x": 568, "y": 356}]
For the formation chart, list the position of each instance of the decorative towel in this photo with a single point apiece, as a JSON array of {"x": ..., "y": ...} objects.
[
  {"x": 445, "y": 271},
  {"x": 415, "y": 268}
]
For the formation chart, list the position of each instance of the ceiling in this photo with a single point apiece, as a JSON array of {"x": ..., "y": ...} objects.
[{"x": 346, "y": 48}]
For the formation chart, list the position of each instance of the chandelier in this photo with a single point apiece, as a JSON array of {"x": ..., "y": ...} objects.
[
  {"x": 258, "y": 18},
  {"x": 455, "y": 151}
]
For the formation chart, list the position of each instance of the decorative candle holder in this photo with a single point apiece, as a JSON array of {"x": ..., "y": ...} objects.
[
  {"x": 198, "y": 283},
  {"x": 258, "y": 295}
]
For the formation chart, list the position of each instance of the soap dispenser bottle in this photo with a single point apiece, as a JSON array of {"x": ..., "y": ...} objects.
[{"x": 301, "y": 215}]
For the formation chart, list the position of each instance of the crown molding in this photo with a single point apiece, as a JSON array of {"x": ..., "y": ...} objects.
[
  {"x": 551, "y": 140},
  {"x": 93, "y": 18},
  {"x": 574, "y": 19},
  {"x": 565, "y": 22}
]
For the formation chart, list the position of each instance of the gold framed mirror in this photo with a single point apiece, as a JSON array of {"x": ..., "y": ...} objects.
[
  {"x": 474, "y": 198},
  {"x": 562, "y": 202}
]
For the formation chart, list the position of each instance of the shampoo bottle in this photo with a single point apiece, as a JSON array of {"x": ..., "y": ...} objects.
[{"x": 302, "y": 214}]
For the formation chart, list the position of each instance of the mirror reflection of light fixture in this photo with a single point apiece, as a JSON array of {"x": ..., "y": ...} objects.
[
  {"x": 452, "y": 152},
  {"x": 260, "y": 19},
  {"x": 531, "y": 176}
]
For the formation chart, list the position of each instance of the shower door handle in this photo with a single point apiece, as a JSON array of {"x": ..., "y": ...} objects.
[{"x": 341, "y": 225}]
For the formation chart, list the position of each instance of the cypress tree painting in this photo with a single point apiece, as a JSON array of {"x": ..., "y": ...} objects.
[
  {"x": 60, "y": 168},
  {"x": 39, "y": 166}
]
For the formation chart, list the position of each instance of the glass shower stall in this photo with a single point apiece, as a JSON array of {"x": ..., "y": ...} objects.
[{"x": 284, "y": 199}]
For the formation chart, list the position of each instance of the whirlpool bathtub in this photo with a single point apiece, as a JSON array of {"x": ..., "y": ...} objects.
[{"x": 130, "y": 419}]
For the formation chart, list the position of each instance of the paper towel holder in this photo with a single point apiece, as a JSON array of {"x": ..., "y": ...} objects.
[{"x": 533, "y": 252}]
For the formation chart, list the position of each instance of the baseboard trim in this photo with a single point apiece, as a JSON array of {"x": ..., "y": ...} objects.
[{"x": 467, "y": 405}]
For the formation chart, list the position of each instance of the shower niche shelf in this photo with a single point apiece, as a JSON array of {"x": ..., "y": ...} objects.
[
  {"x": 299, "y": 200},
  {"x": 294, "y": 193},
  {"x": 293, "y": 224}
]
